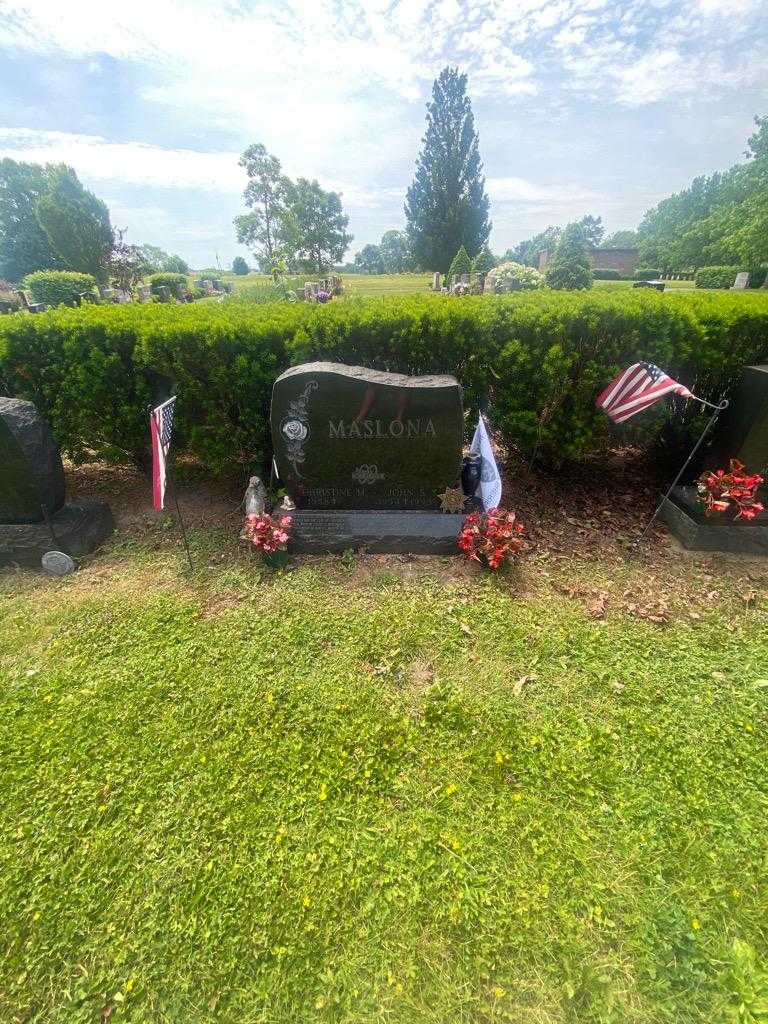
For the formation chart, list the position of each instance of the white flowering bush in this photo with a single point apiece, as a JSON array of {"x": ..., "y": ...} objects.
[{"x": 512, "y": 277}]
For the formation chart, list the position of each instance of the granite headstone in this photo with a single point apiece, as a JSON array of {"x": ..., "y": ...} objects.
[
  {"x": 742, "y": 434},
  {"x": 347, "y": 437},
  {"x": 34, "y": 520},
  {"x": 31, "y": 472}
]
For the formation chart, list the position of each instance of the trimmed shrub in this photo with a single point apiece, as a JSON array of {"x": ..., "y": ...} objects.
[
  {"x": 716, "y": 277},
  {"x": 239, "y": 266},
  {"x": 483, "y": 262},
  {"x": 169, "y": 280},
  {"x": 461, "y": 264},
  {"x": 646, "y": 274},
  {"x": 515, "y": 277},
  {"x": 606, "y": 275},
  {"x": 58, "y": 287},
  {"x": 538, "y": 357}
]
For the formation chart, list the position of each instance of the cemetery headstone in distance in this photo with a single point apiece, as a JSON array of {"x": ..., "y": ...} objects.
[
  {"x": 742, "y": 433},
  {"x": 367, "y": 456},
  {"x": 34, "y": 519}
]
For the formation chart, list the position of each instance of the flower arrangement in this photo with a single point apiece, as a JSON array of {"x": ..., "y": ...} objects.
[
  {"x": 270, "y": 535},
  {"x": 734, "y": 490},
  {"x": 322, "y": 296},
  {"x": 491, "y": 538},
  {"x": 515, "y": 277}
]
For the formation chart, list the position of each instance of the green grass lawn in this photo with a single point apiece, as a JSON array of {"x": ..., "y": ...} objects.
[
  {"x": 371, "y": 285},
  {"x": 328, "y": 796}
]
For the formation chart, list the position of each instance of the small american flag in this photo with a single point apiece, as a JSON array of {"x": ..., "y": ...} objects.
[
  {"x": 635, "y": 389},
  {"x": 160, "y": 428}
]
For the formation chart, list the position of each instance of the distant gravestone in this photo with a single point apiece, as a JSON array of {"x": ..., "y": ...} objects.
[
  {"x": 741, "y": 282},
  {"x": 437, "y": 281},
  {"x": 34, "y": 520},
  {"x": 347, "y": 437},
  {"x": 144, "y": 292}
]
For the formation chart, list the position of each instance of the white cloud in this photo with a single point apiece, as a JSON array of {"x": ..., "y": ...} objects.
[{"x": 135, "y": 163}]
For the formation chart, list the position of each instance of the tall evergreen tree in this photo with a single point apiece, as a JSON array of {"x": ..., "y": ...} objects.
[
  {"x": 446, "y": 205},
  {"x": 570, "y": 266}
]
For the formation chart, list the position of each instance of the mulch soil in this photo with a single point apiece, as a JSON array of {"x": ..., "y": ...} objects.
[{"x": 581, "y": 522}]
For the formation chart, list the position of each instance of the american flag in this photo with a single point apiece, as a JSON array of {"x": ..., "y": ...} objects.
[
  {"x": 635, "y": 389},
  {"x": 160, "y": 428}
]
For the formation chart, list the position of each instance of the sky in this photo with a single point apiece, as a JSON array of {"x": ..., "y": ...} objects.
[{"x": 582, "y": 106}]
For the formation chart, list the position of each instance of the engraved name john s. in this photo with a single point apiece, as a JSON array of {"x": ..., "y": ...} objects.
[{"x": 423, "y": 428}]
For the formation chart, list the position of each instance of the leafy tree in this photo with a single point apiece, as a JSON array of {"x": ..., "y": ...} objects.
[
  {"x": 176, "y": 265},
  {"x": 24, "y": 245},
  {"x": 369, "y": 261},
  {"x": 128, "y": 264},
  {"x": 593, "y": 230},
  {"x": 483, "y": 261},
  {"x": 265, "y": 195},
  {"x": 460, "y": 264},
  {"x": 316, "y": 227},
  {"x": 160, "y": 261},
  {"x": 621, "y": 240},
  {"x": 527, "y": 252},
  {"x": 757, "y": 144},
  {"x": 239, "y": 266},
  {"x": 77, "y": 224},
  {"x": 570, "y": 267},
  {"x": 721, "y": 219},
  {"x": 446, "y": 205},
  {"x": 395, "y": 251}
]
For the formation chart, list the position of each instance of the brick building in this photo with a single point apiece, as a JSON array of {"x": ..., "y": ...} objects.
[{"x": 626, "y": 261}]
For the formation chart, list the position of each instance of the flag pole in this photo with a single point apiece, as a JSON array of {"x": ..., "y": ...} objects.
[
  {"x": 171, "y": 481},
  {"x": 720, "y": 407},
  {"x": 182, "y": 525}
]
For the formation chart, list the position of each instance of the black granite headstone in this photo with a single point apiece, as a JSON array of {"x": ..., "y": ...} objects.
[
  {"x": 743, "y": 429},
  {"x": 742, "y": 434},
  {"x": 31, "y": 473},
  {"x": 34, "y": 521},
  {"x": 346, "y": 437}
]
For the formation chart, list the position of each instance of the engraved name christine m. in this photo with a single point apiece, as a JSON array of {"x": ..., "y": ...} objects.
[{"x": 382, "y": 428}]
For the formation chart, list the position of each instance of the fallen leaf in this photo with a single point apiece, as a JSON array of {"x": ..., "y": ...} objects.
[{"x": 517, "y": 689}]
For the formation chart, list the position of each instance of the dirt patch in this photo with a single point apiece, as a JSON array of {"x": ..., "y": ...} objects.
[{"x": 580, "y": 524}]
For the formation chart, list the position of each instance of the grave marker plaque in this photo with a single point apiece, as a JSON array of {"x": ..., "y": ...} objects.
[{"x": 347, "y": 437}]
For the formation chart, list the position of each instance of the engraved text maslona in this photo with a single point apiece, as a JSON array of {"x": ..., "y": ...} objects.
[{"x": 423, "y": 428}]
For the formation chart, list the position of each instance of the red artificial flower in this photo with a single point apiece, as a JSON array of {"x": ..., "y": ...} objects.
[
  {"x": 734, "y": 490},
  {"x": 493, "y": 537},
  {"x": 268, "y": 534}
]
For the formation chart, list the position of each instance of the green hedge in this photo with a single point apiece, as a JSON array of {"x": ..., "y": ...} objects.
[
  {"x": 606, "y": 275},
  {"x": 539, "y": 358},
  {"x": 646, "y": 274},
  {"x": 716, "y": 277},
  {"x": 170, "y": 280},
  {"x": 56, "y": 287}
]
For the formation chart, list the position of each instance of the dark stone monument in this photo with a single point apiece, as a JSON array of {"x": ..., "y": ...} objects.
[
  {"x": 33, "y": 517},
  {"x": 366, "y": 457},
  {"x": 742, "y": 434}
]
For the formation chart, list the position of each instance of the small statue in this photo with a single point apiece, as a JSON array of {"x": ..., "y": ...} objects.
[
  {"x": 255, "y": 502},
  {"x": 255, "y": 497}
]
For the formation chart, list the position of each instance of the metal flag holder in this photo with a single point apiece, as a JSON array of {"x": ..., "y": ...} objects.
[
  {"x": 720, "y": 407},
  {"x": 171, "y": 486}
]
